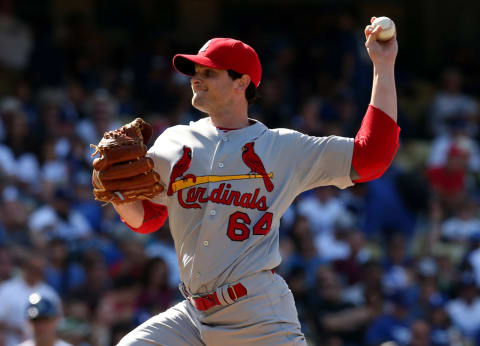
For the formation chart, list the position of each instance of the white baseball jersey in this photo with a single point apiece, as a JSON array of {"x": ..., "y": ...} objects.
[{"x": 228, "y": 190}]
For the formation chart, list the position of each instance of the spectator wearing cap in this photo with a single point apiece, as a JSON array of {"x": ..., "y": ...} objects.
[
  {"x": 457, "y": 133},
  {"x": 14, "y": 295},
  {"x": 449, "y": 181},
  {"x": 43, "y": 315}
]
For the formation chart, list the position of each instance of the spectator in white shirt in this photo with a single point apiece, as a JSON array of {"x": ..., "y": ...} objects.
[
  {"x": 43, "y": 315},
  {"x": 14, "y": 295},
  {"x": 322, "y": 208},
  {"x": 451, "y": 101},
  {"x": 465, "y": 310}
]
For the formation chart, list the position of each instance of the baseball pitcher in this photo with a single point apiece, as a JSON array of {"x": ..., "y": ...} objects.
[{"x": 226, "y": 180}]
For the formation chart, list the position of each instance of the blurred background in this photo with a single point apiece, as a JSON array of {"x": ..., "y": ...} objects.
[{"x": 394, "y": 259}]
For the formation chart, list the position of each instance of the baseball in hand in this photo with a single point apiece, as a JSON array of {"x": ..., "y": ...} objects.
[{"x": 388, "y": 28}]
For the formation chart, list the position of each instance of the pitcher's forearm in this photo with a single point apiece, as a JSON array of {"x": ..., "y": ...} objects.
[
  {"x": 131, "y": 213},
  {"x": 384, "y": 93}
]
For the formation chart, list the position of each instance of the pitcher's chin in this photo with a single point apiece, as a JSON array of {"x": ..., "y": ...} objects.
[{"x": 198, "y": 104}]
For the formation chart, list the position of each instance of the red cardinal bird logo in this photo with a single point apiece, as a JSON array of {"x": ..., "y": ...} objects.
[
  {"x": 251, "y": 159},
  {"x": 180, "y": 168}
]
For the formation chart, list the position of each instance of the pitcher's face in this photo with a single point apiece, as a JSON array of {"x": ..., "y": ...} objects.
[{"x": 212, "y": 89}]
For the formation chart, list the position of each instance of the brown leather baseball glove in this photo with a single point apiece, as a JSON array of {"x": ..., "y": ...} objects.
[{"x": 123, "y": 173}]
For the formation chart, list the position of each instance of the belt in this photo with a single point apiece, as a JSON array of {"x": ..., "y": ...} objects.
[
  {"x": 224, "y": 295},
  {"x": 205, "y": 302}
]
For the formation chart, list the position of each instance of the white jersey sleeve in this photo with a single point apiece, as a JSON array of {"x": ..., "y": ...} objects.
[
  {"x": 162, "y": 155},
  {"x": 317, "y": 161}
]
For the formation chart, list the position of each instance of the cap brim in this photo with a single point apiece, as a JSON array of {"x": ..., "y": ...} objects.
[{"x": 185, "y": 63}]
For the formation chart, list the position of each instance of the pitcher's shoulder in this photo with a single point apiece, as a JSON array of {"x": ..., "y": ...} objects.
[
  {"x": 174, "y": 131},
  {"x": 283, "y": 133}
]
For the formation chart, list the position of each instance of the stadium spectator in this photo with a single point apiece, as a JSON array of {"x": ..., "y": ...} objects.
[
  {"x": 451, "y": 100},
  {"x": 394, "y": 325},
  {"x": 44, "y": 316},
  {"x": 335, "y": 318},
  {"x": 14, "y": 294},
  {"x": 464, "y": 311}
]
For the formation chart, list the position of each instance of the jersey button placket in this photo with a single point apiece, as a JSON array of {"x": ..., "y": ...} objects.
[{"x": 202, "y": 253}]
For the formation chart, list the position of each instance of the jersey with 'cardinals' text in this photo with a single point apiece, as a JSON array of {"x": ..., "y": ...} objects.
[{"x": 226, "y": 193}]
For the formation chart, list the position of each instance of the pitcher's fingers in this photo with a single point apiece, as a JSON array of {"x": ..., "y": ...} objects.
[
  {"x": 372, "y": 19},
  {"x": 374, "y": 34},
  {"x": 368, "y": 31}
]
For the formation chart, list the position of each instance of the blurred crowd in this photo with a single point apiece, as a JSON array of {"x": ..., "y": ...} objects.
[{"x": 394, "y": 259}]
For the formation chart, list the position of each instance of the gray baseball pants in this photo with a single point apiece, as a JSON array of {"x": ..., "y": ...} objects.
[{"x": 265, "y": 316}]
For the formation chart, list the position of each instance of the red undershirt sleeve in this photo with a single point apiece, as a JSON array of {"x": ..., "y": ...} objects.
[
  {"x": 155, "y": 216},
  {"x": 375, "y": 145}
]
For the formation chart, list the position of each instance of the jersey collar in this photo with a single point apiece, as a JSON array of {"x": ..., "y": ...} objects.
[
  {"x": 248, "y": 133},
  {"x": 254, "y": 130}
]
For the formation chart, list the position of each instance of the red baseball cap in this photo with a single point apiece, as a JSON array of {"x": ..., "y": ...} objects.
[{"x": 223, "y": 54}]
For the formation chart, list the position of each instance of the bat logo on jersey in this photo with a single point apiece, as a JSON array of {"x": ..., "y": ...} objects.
[
  {"x": 253, "y": 161},
  {"x": 182, "y": 165},
  {"x": 222, "y": 194}
]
